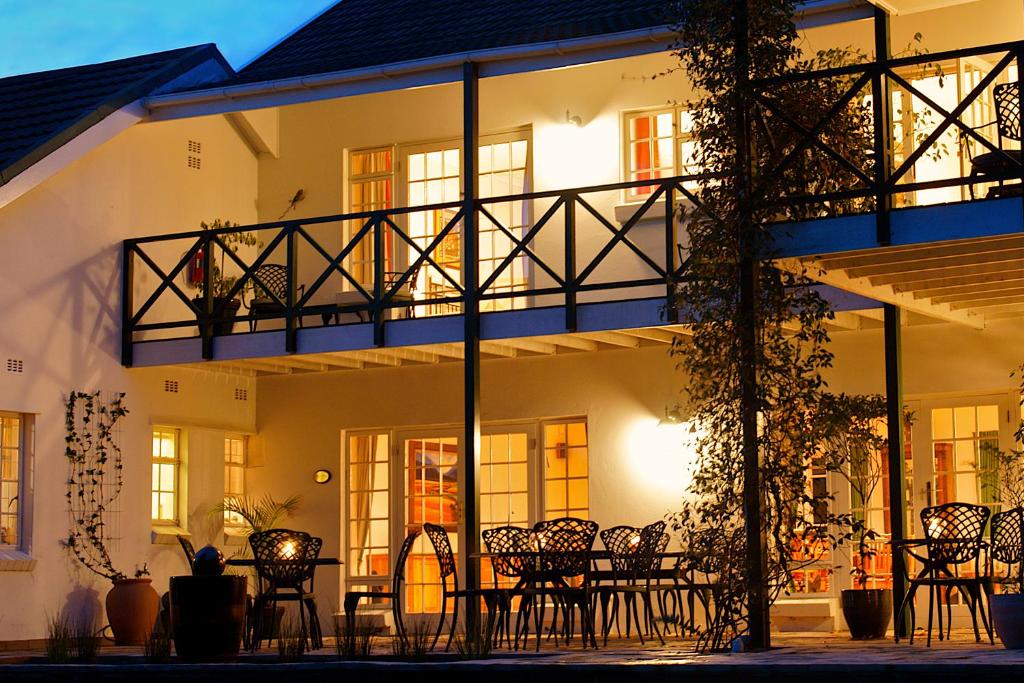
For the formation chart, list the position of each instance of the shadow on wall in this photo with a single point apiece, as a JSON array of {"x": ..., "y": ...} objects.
[{"x": 83, "y": 605}]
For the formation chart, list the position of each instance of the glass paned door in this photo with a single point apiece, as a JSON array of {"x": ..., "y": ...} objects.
[
  {"x": 504, "y": 484},
  {"x": 431, "y": 473},
  {"x": 964, "y": 442}
]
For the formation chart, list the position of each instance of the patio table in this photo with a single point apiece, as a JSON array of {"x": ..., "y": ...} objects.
[{"x": 250, "y": 562}]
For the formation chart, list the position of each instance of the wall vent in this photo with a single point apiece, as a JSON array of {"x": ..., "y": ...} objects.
[
  {"x": 241, "y": 394},
  {"x": 15, "y": 365},
  {"x": 195, "y": 147},
  {"x": 171, "y": 386},
  {"x": 195, "y": 162}
]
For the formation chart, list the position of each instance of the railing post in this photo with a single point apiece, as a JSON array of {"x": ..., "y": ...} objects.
[
  {"x": 378, "y": 280},
  {"x": 671, "y": 240},
  {"x": 1019, "y": 54},
  {"x": 292, "y": 261},
  {"x": 206, "y": 321},
  {"x": 127, "y": 301},
  {"x": 882, "y": 125},
  {"x": 570, "y": 261}
]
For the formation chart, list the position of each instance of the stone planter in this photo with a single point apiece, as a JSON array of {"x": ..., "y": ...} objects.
[
  {"x": 132, "y": 609},
  {"x": 867, "y": 612},
  {"x": 207, "y": 616}
]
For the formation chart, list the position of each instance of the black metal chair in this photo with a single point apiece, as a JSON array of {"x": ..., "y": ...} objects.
[
  {"x": 270, "y": 293},
  {"x": 352, "y": 598},
  {"x": 190, "y": 552},
  {"x": 511, "y": 559},
  {"x": 1006, "y": 163},
  {"x": 438, "y": 536},
  {"x": 634, "y": 555},
  {"x": 564, "y": 546},
  {"x": 285, "y": 565},
  {"x": 1006, "y": 543},
  {"x": 954, "y": 534}
]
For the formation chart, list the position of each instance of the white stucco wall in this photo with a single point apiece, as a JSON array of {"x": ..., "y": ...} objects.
[{"x": 60, "y": 276}]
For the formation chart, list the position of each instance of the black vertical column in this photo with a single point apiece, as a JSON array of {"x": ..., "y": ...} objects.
[
  {"x": 471, "y": 314},
  {"x": 757, "y": 559}
]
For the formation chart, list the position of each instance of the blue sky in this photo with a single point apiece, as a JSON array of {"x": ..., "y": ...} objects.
[{"x": 37, "y": 35}]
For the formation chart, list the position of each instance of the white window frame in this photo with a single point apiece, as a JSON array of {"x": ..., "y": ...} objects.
[
  {"x": 176, "y": 461},
  {"x": 679, "y": 137},
  {"x": 20, "y": 519}
]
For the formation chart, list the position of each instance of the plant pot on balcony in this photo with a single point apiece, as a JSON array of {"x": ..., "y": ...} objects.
[
  {"x": 132, "y": 609},
  {"x": 207, "y": 616},
  {"x": 222, "y": 307},
  {"x": 1008, "y": 619},
  {"x": 867, "y": 612}
]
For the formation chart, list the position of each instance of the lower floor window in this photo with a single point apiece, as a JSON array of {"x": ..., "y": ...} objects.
[
  {"x": 11, "y": 451},
  {"x": 165, "y": 475}
]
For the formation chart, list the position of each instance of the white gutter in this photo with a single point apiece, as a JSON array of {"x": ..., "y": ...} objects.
[{"x": 811, "y": 15}]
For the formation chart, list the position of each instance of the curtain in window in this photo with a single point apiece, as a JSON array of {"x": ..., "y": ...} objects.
[{"x": 361, "y": 485}]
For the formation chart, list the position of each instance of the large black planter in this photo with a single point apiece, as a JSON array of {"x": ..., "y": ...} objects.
[
  {"x": 867, "y": 612},
  {"x": 223, "y": 307},
  {"x": 207, "y": 616},
  {"x": 1008, "y": 619}
]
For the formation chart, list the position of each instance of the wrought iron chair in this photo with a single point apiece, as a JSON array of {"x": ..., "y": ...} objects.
[
  {"x": 1006, "y": 542},
  {"x": 511, "y": 558},
  {"x": 953, "y": 539},
  {"x": 352, "y": 598},
  {"x": 564, "y": 546},
  {"x": 634, "y": 558},
  {"x": 1006, "y": 163},
  {"x": 285, "y": 566},
  {"x": 190, "y": 552},
  {"x": 438, "y": 536},
  {"x": 270, "y": 284}
]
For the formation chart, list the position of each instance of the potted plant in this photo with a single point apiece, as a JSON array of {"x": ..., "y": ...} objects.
[
  {"x": 221, "y": 283},
  {"x": 854, "y": 449},
  {"x": 95, "y": 479}
]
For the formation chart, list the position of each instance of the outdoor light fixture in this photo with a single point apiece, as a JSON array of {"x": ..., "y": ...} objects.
[
  {"x": 322, "y": 476},
  {"x": 672, "y": 416},
  {"x": 573, "y": 120}
]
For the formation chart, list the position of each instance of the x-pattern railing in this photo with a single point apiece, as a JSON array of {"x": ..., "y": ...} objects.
[
  {"x": 873, "y": 179},
  {"x": 566, "y": 271}
]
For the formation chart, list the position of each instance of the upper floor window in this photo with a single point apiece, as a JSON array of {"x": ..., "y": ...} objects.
[
  {"x": 166, "y": 465},
  {"x": 371, "y": 185},
  {"x": 11, "y": 466},
  {"x": 234, "y": 474},
  {"x": 659, "y": 144}
]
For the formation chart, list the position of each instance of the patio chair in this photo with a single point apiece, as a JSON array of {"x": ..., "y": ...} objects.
[
  {"x": 186, "y": 547},
  {"x": 953, "y": 543},
  {"x": 352, "y": 598},
  {"x": 511, "y": 560},
  {"x": 438, "y": 536},
  {"x": 564, "y": 546},
  {"x": 270, "y": 289},
  {"x": 285, "y": 565},
  {"x": 1006, "y": 163},
  {"x": 1006, "y": 541},
  {"x": 634, "y": 558}
]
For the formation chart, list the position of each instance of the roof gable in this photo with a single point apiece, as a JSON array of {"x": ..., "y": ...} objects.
[
  {"x": 356, "y": 34},
  {"x": 40, "y": 112}
]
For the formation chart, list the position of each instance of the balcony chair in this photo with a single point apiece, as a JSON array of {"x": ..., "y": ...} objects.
[
  {"x": 352, "y": 598},
  {"x": 510, "y": 550},
  {"x": 1006, "y": 541},
  {"x": 438, "y": 536},
  {"x": 953, "y": 543},
  {"x": 1006, "y": 163},
  {"x": 270, "y": 284},
  {"x": 285, "y": 566}
]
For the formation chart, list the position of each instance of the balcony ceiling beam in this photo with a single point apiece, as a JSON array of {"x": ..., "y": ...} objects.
[
  {"x": 918, "y": 280},
  {"x": 612, "y": 339},
  {"x": 914, "y": 254}
]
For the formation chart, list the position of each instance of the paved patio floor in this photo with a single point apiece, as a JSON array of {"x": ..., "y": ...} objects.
[{"x": 827, "y": 658}]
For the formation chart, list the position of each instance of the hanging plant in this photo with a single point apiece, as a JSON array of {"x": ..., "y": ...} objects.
[{"x": 95, "y": 478}]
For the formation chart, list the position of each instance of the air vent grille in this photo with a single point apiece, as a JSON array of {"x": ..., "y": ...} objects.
[
  {"x": 195, "y": 162},
  {"x": 241, "y": 394},
  {"x": 195, "y": 147},
  {"x": 15, "y": 365},
  {"x": 171, "y": 386}
]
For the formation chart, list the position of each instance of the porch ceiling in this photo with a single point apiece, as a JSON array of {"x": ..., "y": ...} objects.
[
  {"x": 964, "y": 281},
  {"x": 430, "y": 354}
]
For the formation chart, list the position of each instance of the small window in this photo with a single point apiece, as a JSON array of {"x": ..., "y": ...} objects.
[
  {"x": 234, "y": 475},
  {"x": 566, "y": 470},
  {"x": 166, "y": 465},
  {"x": 659, "y": 144},
  {"x": 11, "y": 467},
  {"x": 371, "y": 185}
]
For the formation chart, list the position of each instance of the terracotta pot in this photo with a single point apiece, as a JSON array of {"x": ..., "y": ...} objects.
[
  {"x": 207, "y": 616},
  {"x": 1008, "y": 619},
  {"x": 132, "y": 609},
  {"x": 867, "y": 612}
]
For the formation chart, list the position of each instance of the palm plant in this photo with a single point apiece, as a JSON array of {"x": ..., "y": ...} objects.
[{"x": 258, "y": 514}]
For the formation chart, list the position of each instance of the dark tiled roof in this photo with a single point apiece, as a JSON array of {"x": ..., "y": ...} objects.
[
  {"x": 39, "y": 112},
  {"x": 363, "y": 33}
]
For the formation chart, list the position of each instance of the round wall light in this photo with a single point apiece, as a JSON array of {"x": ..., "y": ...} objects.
[{"x": 322, "y": 476}]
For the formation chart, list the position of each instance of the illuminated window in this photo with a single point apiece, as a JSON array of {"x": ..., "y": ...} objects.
[
  {"x": 504, "y": 480},
  {"x": 659, "y": 144},
  {"x": 234, "y": 475},
  {"x": 371, "y": 188},
  {"x": 369, "y": 564},
  {"x": 965, "y": 441},
  {"x": 566, "y": 470},
  {"x": 10, "y": 479},
  {"x": 166, "y": 463},
  {"x": 810, "y": 549}
]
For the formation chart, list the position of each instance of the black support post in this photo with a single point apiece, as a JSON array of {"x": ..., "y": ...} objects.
[
  {"x": 471, "y": 315},
  {"x": 882, "y": 113},
  {"x": 570, "y": 263},
  {"x": 205, "y": 322},
  {"x": 291, "y": 321},
  {"x": 757, "y": 559},
  {"x": 127, "y": 301}
]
